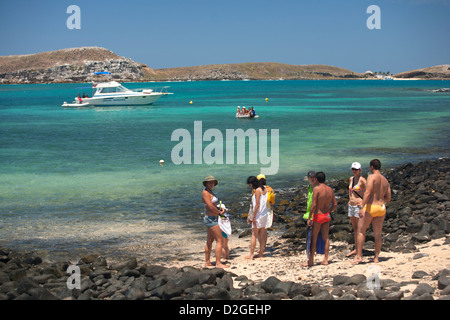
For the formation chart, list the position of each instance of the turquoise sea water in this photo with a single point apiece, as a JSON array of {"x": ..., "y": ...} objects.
[{"x": 90, "y": 179}]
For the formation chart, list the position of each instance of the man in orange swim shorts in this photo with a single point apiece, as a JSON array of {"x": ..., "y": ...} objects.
[
  {"x": 323, "y": 203},
  {"x": 373, "y": 209}
]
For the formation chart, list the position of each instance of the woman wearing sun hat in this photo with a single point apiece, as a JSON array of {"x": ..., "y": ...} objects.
[
  {"x": 356, "y": 190},
  {"x": 211, "y": 222}
]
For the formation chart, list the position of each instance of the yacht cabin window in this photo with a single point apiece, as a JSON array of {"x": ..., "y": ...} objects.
[{"x": 112, "y": 89}]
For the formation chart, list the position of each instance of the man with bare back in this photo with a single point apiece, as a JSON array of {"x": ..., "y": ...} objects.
[
  {"x": 324, "y": 202},
  {"x": 373, "y": 209}
]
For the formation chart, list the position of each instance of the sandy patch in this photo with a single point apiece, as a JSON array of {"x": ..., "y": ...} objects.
[{"x": 399, "y": 267}]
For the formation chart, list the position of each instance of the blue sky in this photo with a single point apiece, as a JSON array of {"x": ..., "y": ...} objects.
[{"x": 174, "y": 33}]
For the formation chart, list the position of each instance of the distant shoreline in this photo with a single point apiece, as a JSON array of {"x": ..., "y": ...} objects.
[
  {"x": 78, "y": 65},
  {"x": 243, "y": 80}
]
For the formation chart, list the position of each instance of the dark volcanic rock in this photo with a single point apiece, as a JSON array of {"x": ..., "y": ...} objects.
[{"x": 419, "y": 212}]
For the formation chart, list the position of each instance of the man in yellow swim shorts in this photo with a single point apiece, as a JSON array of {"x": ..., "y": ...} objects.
[{"x": 373, "y": 209}]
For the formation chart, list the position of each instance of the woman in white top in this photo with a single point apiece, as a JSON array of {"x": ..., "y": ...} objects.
[
  {"x": 211, "y": 221},
  {"x": 260, "y": 216}
]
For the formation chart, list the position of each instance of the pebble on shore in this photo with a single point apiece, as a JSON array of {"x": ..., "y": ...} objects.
[
  {"x": 25, "y": 277},
  {"x": 419, "y": 213}
]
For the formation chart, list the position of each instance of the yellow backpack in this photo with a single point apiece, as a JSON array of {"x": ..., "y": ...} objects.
[{"x": 270, "y": 196}]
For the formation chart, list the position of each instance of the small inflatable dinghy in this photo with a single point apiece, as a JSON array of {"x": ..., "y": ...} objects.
[
  {"x": 75, "y": 104},
  {"x": 247, "y": 117}
]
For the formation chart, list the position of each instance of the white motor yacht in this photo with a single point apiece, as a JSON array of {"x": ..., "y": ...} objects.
[{"x": 114, "y": 94}]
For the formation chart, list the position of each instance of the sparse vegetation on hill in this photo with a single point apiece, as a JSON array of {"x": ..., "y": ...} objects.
[
  {"x": 253, "y": 71},
  {"x": 46, "y": 60},
  {"x": 68, "y": 65},
  {"x": 436, "y": 72},
  {"x": 79, "y": 65}
]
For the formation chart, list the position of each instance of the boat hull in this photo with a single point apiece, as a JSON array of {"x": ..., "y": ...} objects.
[
  {"x": 129, "y": 100},
  {"x": 247, "y": 117}
]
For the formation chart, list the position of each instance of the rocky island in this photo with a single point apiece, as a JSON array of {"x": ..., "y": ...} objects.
[
  {"x": 441, "y": 72},
  {"x": 79, "y": 64},
  {"x": 68, "y": 65}
]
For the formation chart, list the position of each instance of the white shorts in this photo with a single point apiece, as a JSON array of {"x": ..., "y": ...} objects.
[{"x": 353, "y": 211}]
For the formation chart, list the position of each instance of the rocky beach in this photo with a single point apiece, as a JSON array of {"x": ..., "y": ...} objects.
[{"x": 414, "y": 262}]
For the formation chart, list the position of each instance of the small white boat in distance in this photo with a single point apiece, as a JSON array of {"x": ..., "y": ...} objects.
[
  {"x": 113, "y": 93},
  {"x": 246, "y": 113}
]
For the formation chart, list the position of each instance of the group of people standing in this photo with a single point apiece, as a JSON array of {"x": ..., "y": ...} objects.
[
  {"x": 244, "y": 112},
  {"x": 366, "y": 206},
  {"x": 260, "y": 216},
  {"x": 372, "y": 206}
]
